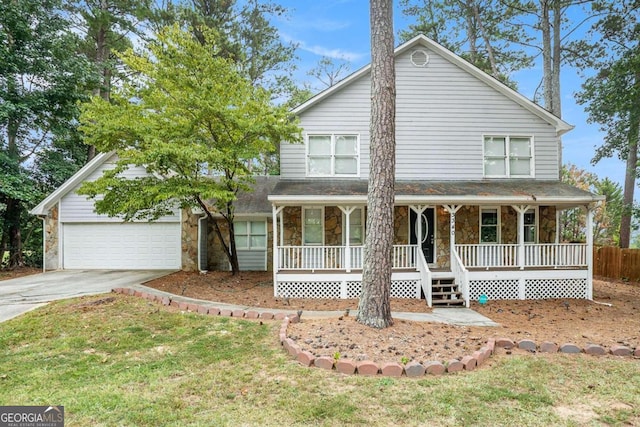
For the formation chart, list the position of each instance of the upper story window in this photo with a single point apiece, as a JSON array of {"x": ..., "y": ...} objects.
[
  {"x": 250, "y": 234},
  {"x": 508, "y": 156},
  {"x": 332, "y": 155}
]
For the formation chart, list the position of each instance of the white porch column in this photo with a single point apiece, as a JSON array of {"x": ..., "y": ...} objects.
[
  {"x": 452, "y": 209},
  {"x": 590, "y": 211},
  {"x": 274, "y": 217},
  {"x": 557, "y": 225},
  {"x": 521, "y": 211},
  {"x": 347, "y": 210}
]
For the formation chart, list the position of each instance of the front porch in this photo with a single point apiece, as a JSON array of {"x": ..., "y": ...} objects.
[
  {"x": 497, "y": 271},
  {"x": 453, "y": 241}
]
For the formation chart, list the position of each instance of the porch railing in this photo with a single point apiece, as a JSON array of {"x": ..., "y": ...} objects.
[
  {"x": 335, "y": 257},
  {"x": 552, "y": 255},
  {"x": 535, "y": 255},
  {"x": 488, "y": 255},
  {"x": 425, "y": 276},
  {"x": 461, "y": 275}
]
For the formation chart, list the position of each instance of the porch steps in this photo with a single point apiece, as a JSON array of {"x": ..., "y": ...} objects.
[{"x": 445, "y": 293}]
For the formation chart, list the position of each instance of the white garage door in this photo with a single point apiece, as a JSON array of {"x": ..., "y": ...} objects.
[{"x": 129, "y": 246}]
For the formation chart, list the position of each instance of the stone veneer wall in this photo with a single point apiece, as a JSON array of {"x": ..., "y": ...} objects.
[
  {"x": 401, "y": 225},
  {"x": 443, "y": 237},
  {"x": 468, "y": 225},
  {"x": 216, "y": 258},
  {"x": 508, "y": 226},
  {"x": 332, "y": 226},
  {"x": 51, "y": 258},
  {"x": 292, "y": 223},
  {"x": 189, "y": 242},
  {"x": 547, "y": 224}
]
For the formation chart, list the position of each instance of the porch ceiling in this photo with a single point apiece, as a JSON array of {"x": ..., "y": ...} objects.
[{"x": 530, "y": 192}]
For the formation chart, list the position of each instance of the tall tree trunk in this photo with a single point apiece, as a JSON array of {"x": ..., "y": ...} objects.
[
  {"x": 374, "y": 308},
  {"x": 12, "y": 217},
  {"x": 102, "y": 57},
  {"x": 545, "y": 28},
  {"x": 13, "y": 207},
  {"x": 556, "y": 103},
  {"x": 230, "y": 249},
  {"x": 487, "y": 41},
  {"x": 630, "y": 172},
  {"x": 471, "y": 31}
]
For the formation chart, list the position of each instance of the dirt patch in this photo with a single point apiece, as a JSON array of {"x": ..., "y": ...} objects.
[
  {"x": 561, "y": 321},
  {"x": 6, "y": 274}
]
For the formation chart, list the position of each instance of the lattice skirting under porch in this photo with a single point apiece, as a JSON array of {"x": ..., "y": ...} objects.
[
  {"x": 532, "y": 288},
  {"x": 341, "y": 289}
]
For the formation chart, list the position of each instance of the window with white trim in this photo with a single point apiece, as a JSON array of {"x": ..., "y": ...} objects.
[
  {"x": 313, "y": 226},
  {"x": 250, "y": 234},
  {"x": 508, "y": 156},
  {"x": 332, "y": 155},
  {"x": 356, "y": 227},
  {"x": 489, "y": 225},
  {"x": 530, "y": 226}
]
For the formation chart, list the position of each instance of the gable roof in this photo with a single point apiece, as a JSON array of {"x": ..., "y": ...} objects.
[
  {"x": 560, "y": 125},
  {"x": 43, "y": 207}
]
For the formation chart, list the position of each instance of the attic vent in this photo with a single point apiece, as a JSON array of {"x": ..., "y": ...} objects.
[{"x": 419, "y": 58}]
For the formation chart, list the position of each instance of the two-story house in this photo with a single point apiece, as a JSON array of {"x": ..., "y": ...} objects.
[{"x": 477, "y": 203}]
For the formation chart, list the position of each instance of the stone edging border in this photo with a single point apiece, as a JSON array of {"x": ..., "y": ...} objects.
[{"x": 389, "y": 369}]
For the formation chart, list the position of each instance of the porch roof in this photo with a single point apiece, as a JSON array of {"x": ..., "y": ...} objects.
[{"x": 508, "y": 191}]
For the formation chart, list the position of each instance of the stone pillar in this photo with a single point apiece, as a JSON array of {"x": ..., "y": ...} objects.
[
  {"x": 189, "y": 242},
  {"x": 51, "y": 258}
]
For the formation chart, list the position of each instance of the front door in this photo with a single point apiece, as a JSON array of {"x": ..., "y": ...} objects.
[{"x": 426, "y": 241}]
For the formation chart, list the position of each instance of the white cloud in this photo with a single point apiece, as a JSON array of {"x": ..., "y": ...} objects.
[{"x": 333, "y": 53}]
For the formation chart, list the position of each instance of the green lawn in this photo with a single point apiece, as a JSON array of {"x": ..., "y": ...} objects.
[{"x": 131, "y": 363}]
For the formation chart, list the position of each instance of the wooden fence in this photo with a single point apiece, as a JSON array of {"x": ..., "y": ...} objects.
[{"x": 616, "y": 263}]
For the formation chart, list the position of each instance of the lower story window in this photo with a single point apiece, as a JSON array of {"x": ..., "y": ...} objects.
[
  {"x": 489, "y": 225},
  {"x": 356, "y": 227},
  {"x": 250, "y": 234},
  {"x": 530, "y": 235},
  {"x": 312, "y": 228}
]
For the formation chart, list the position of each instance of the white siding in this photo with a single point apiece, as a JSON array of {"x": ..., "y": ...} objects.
[
  {"x": 252, "y": 260},
  {"x": 77, "y": 208},
  {"x": 441, "y": 115}
]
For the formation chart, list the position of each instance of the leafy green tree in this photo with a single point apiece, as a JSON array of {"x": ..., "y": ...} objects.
[
  {"x": 478, "y": 30},
  {"x": 41, "y": 81},
  {"x": 193, "y": 121},
  {"x": 246, "y": 36},
  {"x": 107, "y": 27},
  {"x": 606, "y": 218},
  {"x": 612, "y": 96}
]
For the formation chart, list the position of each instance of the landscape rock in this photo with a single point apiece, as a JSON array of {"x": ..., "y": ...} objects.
[
  {"x": 346, "y": 366},
  {"x": 548, "y": 347},
  {"x": 415, "y": 369}
]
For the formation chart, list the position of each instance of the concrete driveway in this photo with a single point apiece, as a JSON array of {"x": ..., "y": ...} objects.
[{"x": 20, "y": 295}]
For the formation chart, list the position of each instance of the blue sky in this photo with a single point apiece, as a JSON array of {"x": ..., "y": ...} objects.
[{"x": 340, "y": 29}]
